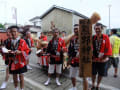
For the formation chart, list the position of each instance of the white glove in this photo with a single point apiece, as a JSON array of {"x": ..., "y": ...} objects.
[
  {"x": 77, "y": 55},
  {"x": 58, "y": 54},
  {"x": 4, "y": 50},
  {"x": 101, "y": 55}
]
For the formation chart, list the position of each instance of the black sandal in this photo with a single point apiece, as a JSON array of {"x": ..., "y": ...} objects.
[
  {"x": 97, "y": 88},
  {"x": 93, "y": 88},
  {"x": 115, "y": 76}
]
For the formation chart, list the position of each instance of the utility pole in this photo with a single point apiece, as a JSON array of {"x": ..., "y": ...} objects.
[
  {"x": 15, "y": 15},
  {"x": 109, "y": 6}
]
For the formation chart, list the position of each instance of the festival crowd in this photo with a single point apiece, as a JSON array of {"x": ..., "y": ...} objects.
[{"x": 58, "y": 53}]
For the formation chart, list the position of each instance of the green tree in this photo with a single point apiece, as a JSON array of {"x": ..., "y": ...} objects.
[{"x": 2, "y": 26}]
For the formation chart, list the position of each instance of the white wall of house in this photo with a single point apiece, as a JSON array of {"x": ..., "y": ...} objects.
[
  {"x": 46, "y": 21},
  {"x": 64, "y": 21},
  {"x": 76, "y": 20},
  {"x": 61, "y": 19}
]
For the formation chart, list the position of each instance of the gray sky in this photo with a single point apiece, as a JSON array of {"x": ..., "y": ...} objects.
[{"x": 27, "y": 9}]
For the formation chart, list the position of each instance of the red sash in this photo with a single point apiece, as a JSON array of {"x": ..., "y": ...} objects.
[{"x": 75, "y": 60}]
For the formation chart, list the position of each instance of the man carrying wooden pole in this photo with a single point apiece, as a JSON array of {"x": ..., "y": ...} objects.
[
  {"x": 73, "y": 52},
  {"x": 85, "y": 38}
]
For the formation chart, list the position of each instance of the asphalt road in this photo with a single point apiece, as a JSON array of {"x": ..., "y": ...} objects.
[{"x": 108, "y": 81}]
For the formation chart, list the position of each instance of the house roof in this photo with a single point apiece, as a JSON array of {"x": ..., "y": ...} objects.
[
  {"x": 37, "y": 17},
  {"x": 64, "y": 9}
]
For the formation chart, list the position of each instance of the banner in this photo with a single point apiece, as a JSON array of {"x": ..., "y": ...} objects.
[{"x": 14, "y": 14}]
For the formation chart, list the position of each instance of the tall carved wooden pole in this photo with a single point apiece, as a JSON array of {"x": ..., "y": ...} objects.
[{"x": 85, "y": 37}]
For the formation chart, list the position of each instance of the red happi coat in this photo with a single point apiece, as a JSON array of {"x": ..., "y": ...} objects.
[
  {"x": 32, "y": 42},
  {"x": 20, "y": 60},
  {"x": 44, "y": 38},
  {"x": 105, "y": 48},
  {"x": 72, "y": 53},
  {"x": 61, "y": 43},
  {"x": 61, "y": 47}
]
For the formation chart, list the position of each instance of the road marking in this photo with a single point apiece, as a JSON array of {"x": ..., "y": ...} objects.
[{"x": 35, "y": 84}]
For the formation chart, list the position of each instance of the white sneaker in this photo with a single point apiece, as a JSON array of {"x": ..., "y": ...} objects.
[
  {"x": 70, "y": 88},
  {"x": 11, "y": 81},
  {"x": 73, "y": 88},
  {"x": 47, "y": 82},
  {"x": 28, "y": 67},
  {"x": 16, "y": 88},
  {"x": 58, "y": 83},
  {"x": 4, "y": 85}
]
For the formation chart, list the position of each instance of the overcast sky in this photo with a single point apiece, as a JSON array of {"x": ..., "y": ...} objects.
[{"x": 27, "y": 9}]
